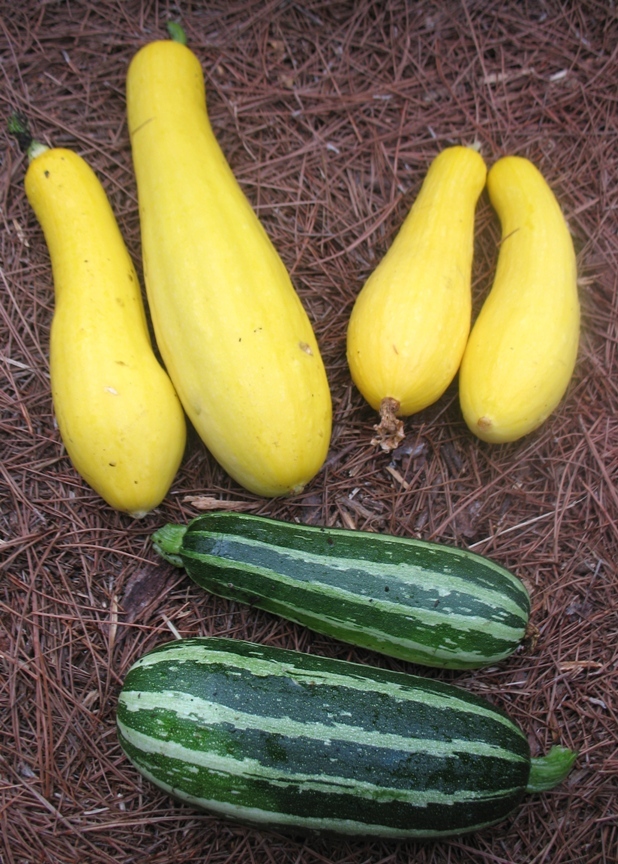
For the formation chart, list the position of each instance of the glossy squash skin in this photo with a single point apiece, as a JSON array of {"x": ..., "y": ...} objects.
[
  {"x": 285, "y": 740},
  {"x": 409, "y": 325},
  {"x": 118, "y": 414},
  {"x": 420, "y": 601},
  {"x": 235, "y": 338},
  {"x": 523, "y": 346}
]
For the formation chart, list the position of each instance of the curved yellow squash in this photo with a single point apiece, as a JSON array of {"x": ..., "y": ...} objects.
[
  {"x": 411, "y": 320},
  {"x": 523, "y": 346},
  {"x": 232, "y": 331},
  {"x": 118, "y": 414}
]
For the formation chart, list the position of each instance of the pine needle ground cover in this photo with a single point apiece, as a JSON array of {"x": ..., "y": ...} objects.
[{"x": 329, "y": 114}]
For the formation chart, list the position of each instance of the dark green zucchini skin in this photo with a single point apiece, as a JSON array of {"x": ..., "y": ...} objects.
[
  {"x": 422, "y": 602},
  {"x": 296, "y": 742}
]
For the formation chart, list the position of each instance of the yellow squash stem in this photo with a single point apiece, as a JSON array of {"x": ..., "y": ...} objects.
[{"x": 233, "y": 333}]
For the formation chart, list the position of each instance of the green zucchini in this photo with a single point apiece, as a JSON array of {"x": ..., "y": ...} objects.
[
  {"x": 421, "y": 602},
  {"x": 290, "y": 741}
]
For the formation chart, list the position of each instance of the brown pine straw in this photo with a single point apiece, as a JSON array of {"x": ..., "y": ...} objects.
[{"x": 329, "y": 114}]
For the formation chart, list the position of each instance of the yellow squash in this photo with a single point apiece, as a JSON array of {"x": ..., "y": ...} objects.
[
  {"x": 523, "y": 346},
  {"x": 411, "y": 320},
  {"x": 118, "y": 414},
  {"x": 232, "y": 331}
]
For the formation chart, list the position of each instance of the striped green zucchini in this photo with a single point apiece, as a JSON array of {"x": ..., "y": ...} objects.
[
  {"x": 291, "y": 741},
  {"x": 422, "y": 602}
]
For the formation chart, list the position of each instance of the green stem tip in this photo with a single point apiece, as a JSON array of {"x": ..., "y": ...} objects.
[
  {"x": 550, "y": 770},
  {"x": 19, "y": 128},
  {"x": 176, "y": 32},
  {"x": 167, "y": 542}
]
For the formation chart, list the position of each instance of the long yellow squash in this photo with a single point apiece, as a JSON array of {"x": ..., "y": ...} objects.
[
  {"x": 118, "y": 414},
  {"x": 523, "y": 346},
  {"x": 411, "y": 320},
  {"x": 235, "y": 338}
]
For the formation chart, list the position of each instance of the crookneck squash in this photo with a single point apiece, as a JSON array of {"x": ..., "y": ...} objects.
[
  {"x": 410, "y": 322},
  {"x": 118, "y": 414},
  {"x": 523, "y": 346}
]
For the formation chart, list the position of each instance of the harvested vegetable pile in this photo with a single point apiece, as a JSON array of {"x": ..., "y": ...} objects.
[{"x": 329, "y": 115}]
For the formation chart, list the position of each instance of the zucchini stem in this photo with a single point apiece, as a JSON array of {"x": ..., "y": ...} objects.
[
  {"x": 550, "y": 770},
  {"x": 167, "y": 541}
]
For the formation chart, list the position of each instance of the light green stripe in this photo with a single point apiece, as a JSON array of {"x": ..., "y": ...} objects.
[
  {"x": 249, "y": 769},
  {"x": 338, "y": 626},
  {"x": 265, "y": 817},
  {"x": 265, "y": 668},
  {"x": 405, "y": 574},
  {"x": 189, "y": 707},
  {"x": 429, "y": 617}
]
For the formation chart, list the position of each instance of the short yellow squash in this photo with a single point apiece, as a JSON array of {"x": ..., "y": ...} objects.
[
  {"x": 523, "y": 346},
  {"x": 410, "y": 322}
]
